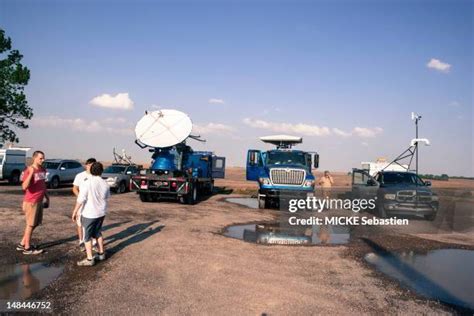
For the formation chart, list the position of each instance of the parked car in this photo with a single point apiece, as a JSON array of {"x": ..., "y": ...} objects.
[
  {"x": 396, "y": 193},
  {"x": 12, "y": 163},
  {"x": 61, "y": 171},
  {"x": 118, "y": 176}
]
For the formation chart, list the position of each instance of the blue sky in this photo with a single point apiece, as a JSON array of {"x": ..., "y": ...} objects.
[{"x": 345, "y": 75}]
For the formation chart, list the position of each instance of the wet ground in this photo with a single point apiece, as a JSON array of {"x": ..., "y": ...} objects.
[
  {"x": 22, "y": 281},
  {"x": 446, "y": 275},
  {"x": 173, "y": 259},
  {"x": 276, "y": 234}
]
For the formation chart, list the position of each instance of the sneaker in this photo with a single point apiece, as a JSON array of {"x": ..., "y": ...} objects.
[
  {"x": 100, "y": 256},
  {"x": 20, "y": 247},
  {"x": 86, "y": 262},
  {"x": 32, "y": 251}
]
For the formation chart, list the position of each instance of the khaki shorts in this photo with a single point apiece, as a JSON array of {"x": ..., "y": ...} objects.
[{"x": 33, "y": 213}]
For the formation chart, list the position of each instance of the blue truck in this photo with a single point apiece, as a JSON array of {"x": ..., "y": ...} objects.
[
  {"x": 283, "y": 172},
  {"x": 178, "y": 173}
]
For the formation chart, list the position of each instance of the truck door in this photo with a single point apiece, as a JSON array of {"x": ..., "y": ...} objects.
[
  {"x": 363, "y": 185},
  {"x": 218, "y": 167},
  {"x": 254, "y": 164}
]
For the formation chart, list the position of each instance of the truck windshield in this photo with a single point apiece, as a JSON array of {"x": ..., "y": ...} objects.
[
  {"x": 1, "y": 159},
  {"x": 114, "y": 169},
  {"x": 400, "y": 178},
  {"x": 286, "y": 158},
  {"x": 50, "y": 165}
]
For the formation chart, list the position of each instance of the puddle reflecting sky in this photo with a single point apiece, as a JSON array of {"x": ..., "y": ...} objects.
[
  {"x": 249, "y": 202},
  {"x": 446, "y": 275},
  {"x": 21, "y": 281},
  {"x": 283, "y": 235}
]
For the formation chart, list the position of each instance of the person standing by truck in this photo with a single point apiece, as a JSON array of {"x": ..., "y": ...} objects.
[
  {"x": 34, "y": 185},
  {"x": 92, "y": 199},
  {"x": 326, "y": 183},
  {"x": 78, "y": 181}
]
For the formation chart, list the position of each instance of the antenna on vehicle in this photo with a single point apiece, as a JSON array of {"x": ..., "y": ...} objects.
[
  {"x": 412, "y": 151},
  {"x": 123, "y": 158}
]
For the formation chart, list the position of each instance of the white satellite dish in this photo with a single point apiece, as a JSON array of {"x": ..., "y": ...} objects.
[{"x": 163, "y": 128}]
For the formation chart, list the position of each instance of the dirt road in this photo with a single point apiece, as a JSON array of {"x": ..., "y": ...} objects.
[{"x": 169, "y": 258}]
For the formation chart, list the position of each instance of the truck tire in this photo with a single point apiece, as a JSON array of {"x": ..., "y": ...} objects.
[
  {"x": 144, "y": 197},
  {"x": 262, "y": 202},
  {"x": 192, "y": 195},
  {"x": 55, "y": 182},
  {"x": 14, "y": 178},
  {"x": 430, "y": 217},
  {"x": 122, "y": 187},
  {"x": 381, "y": 211}
]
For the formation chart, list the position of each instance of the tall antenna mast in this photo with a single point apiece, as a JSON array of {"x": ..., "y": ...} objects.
[{"x": 415, "y": 117}]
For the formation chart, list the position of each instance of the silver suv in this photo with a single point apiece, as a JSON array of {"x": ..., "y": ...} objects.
[
  {"x": 118, "y": 176},
  {"x": 61, "y": 171}
]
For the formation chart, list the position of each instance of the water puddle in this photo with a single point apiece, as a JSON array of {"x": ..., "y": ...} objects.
[
  {"x": 445, "y": 275},
  {"x": 21, "y": 281},
  {"x": 249, "y": 202},
  {"x": 276, "y": 234}
]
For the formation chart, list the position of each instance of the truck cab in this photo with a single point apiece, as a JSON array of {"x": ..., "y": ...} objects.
[
  {"x": 281, "y": 173},
  {"x": 12, "y": 163},
  {"x": 396, "y": 193}
]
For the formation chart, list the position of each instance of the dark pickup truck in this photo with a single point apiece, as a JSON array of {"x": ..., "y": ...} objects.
[{"x": 396, "y": 193}]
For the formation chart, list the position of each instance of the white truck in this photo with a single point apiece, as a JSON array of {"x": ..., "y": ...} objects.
[
  {"x": 12, "y": 163},
  {"x": 381, "y": 164}
]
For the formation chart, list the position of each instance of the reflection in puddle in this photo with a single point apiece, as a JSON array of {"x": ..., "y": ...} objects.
[
  {"x": 20, "y": 281},
  {"x": 445, "y": 275},
  {"x": 294, "y": 235},
  {"x": 249, "y": 202}
]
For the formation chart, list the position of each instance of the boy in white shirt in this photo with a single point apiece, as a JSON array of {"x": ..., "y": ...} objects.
[
  {"x": 92, "y": 199},
  {"x": 79, "y": 179}
]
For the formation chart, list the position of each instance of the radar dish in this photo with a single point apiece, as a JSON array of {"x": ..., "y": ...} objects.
[{"x": 164, "y": 128}]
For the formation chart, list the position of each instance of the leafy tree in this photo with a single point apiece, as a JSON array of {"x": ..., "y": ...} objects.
[{"x": 14, "y": 109}]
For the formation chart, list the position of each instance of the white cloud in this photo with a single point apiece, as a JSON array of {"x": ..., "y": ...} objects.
[
  {"x": 365, "y": 132},
  {"x": 83, "y": 125},
  {"x": 311, "y": 130},
  {"x": 212, "y": 128},
  {"x": 438, "y": 65},
  {"x": 365, "y": 144},
  {"x": 216, "y": 101},
  {"x": 299, "y": 128},
  {"x": 120, "y": 101},
  {"x": 342, "y": 133},
  {"x": 455, "y": 104}
]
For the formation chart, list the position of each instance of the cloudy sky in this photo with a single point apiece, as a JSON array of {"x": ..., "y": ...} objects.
[{"x": 345, "y": 75}]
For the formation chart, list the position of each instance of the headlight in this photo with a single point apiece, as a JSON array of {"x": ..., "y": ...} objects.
[
  {"x": 112, "y": 179},
  {"x": 309, "y": 183},
  {"x": 264, "y": 181},
  {"x": 389, "y": 196}
]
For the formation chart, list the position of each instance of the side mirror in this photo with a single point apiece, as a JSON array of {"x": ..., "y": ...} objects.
[
  {"x": 428, "y": 183},
  {"x": 316, "y": 161},
  {"x": 371, "y": 182},
  {"x": 62, "y": 168},
  {"x": 129, "y": 172},
  {"x": 253, "y": 158}
]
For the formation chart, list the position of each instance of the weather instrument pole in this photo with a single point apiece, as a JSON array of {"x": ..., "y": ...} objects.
[{"x": 416, "y": 118}]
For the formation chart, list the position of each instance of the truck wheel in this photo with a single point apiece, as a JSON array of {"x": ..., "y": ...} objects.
[
  {"x": 430, "y": 217},
  {"x": 192, "y": 196},
  {"x": 55, "y": 182},
  {"x": 14, "y": 178},
  {"x": 144, "y": 197},
  {"x": 122, "y": 187},
  {"x": 381, "y": 211},
  {"x": 261, "y": 202}
]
